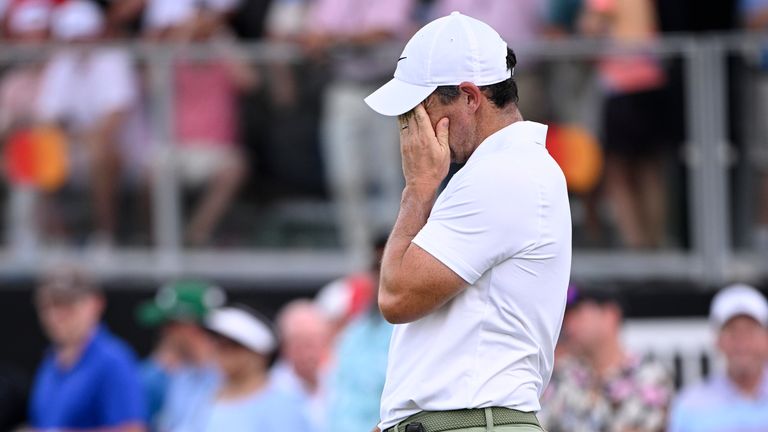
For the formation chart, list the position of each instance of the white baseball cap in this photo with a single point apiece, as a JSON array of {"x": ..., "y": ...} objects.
[
  {"x": 448, "y": 51},
  {"x": 77, "y": 19},
  {"x": 160, "y": 14},
  {"x": 244, "y": 328},
  {"x": 29, "y": 16},
  {"x": 735, "y": 300}
]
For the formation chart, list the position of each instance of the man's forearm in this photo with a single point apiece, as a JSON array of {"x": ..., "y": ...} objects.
[{"x": 415, "y": 206}]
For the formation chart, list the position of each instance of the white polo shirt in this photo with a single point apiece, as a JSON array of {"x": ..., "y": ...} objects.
[
  {"x": 503, "y": 224},
  {"x": 83, "y": 89}
]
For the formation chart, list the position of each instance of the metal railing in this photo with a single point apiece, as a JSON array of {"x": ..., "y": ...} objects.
[{"x": 710, "y": 260}]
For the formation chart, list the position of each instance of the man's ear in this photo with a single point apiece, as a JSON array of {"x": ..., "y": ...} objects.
[
  {"x": 719, "y": 342},
  {"x": 471, "y": 95}
]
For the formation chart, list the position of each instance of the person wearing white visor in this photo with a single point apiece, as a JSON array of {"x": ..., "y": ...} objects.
[
  {"x": 476, "y": 278},
  {"x": 244, "y": 400}
]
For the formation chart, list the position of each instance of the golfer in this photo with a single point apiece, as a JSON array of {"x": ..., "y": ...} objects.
[{"x": 476, "y": 278}]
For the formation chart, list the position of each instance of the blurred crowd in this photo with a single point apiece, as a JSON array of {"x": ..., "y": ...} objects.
[
  {"x": 91, "y": 114},
  {"x": 83, "y": 119},
  {"x": 219, "y": 366},
  {"x": 216, "y": 365}
]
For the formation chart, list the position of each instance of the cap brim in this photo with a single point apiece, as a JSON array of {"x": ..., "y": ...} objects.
[{"x": 397, "y": 97}]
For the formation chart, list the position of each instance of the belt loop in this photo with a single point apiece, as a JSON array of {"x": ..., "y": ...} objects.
[{"x": 489, "y": 419}]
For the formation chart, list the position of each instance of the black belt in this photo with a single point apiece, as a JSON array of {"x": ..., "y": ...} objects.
[{"x": 438, "y": 421}]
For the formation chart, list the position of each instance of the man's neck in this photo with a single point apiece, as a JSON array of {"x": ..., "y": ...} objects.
[
  {"x": 608, "y": 358},
  {"x": 245, "y": 384},
  {"x": 68, "y": 355},
  {"x": 496, "y": 120},
  {"x": 748, "y": 384},
  {"x": 310, "y": 384}
]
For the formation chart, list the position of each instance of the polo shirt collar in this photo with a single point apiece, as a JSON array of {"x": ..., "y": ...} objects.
[
  {"x": 762, "y": 392},
  {"x": 521, "y": 131},
  {"x": 96, "y": 335}
]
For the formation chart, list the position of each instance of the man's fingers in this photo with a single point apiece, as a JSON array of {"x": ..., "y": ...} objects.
[
  {"x": 442, "y": 131},
  {"x": 421, "y": 118}
]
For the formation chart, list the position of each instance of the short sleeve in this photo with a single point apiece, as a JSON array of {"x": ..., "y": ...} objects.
[
  {"x": 488, "y": 216},
  {"x": 122, "y": 397}
]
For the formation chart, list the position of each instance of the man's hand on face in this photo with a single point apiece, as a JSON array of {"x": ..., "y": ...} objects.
[{"x": 425, "y": 152}]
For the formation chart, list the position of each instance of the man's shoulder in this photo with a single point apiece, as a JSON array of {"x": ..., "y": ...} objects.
[{"x": 113, "y": 351}]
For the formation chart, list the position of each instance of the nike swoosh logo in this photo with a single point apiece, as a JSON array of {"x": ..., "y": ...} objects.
[{"x": 402, "y": 58}]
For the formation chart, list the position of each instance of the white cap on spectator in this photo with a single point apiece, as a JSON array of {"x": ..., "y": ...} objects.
[
  {"x": 448, "y": 51},
  {"x": 77, "y": 19},
  {"x": 242, "y": 327},
  {"x": 737, "y": 300},
  {"x": 29, "y": 16},
  {"x": 161, "y": 14}
]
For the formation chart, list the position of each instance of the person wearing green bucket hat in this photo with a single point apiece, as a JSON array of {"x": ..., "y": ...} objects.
[
  {"x": 182, "y": 365},
  {"x": 181, "y": 301}
]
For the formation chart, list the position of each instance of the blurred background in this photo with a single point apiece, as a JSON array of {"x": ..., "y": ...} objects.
[{"x": 148, "y": 142}]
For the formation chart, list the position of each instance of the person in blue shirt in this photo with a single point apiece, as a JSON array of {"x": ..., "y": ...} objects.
[
  {"x": 736, "y": 400},
  {"x": 182, "y": 368},
  {"x": 89, "y": 379}
]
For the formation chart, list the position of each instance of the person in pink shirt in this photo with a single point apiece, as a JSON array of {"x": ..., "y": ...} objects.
[
  {"x": 206, "y": 150},
  {"x": 634, "y": 131}
]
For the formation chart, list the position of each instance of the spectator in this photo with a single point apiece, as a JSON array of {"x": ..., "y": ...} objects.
[
  {"x": 344, "y": 299},
  {"x": 519, "y": 23},
  {"x": 89, "y": 380},
  {"x": 156, "y": 373},
  {"x": 305, "y": 336},
  {"x": 245, "y": 400},
  {"x": 602, "y": 387},
  {"x": 633, "y": 120},
  {"x": 180, "y": 309},
  {"x": 359, "y": 148},
  {"x": 27, "y": 25},
  {"x": 91, "y": 92},
  {"x": 205, "y": 106},
  {"x": 357, "y": 377},
  {"x": 755, "y": 18},
  {"x": 738, "y": 399}
]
